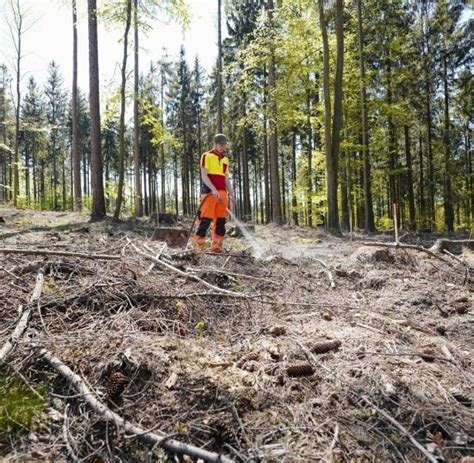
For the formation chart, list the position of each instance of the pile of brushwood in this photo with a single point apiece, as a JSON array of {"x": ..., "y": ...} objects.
[{"x": 117, "y": 348}]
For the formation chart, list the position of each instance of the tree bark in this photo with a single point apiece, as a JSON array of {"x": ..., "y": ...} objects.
[
  {"x": 369, "y": 224},
  {"x": 448, "y": 193},
  {"x": 219, "y": 68},
  {"x": 273, "y": 148},
  {"x": 19, "y": 30},
  {"x": 98, "y": 200},
  {"x": 294, "y": 201},
  {"x": 332, "y": 134},
  {"x": 162, "y": 153},
  {"x": 392, "y": 155},
  {"x": 76, "y": 161},
  {"x": 266, "y": 175},
  {"x": 118, "y": 204},
  {"x": 411, "y": 193},
  {"x": 136, "y": 122},
  {"x": 431, "y": 185},
  {"x": 247, "y": 211},
  {"x": 421, "y": 191},
  {"x": 309, "y": 180},
  {"x": 470, "y": 178}
]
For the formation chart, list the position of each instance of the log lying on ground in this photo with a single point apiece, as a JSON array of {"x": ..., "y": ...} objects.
[
  {"x": 174, "y": 446},
  {"x": 45, "y": 252},
  {"x": 23, "y": 322}
]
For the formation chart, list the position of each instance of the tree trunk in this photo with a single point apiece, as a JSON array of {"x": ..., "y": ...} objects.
[
  {"x": 470, "y": 176},
  {"x": 175, "y": 168},
  {"x": 219, "y": 68},
  {"x": 268, "y": 213},
  {"x": 369, "y": 224},
  {"x": 98, "y": 200},
  {"x": 273, "y": 148},
  {"x": 16, "y": 175},
  {"x": 448, "y": 193},
  {"x": 76, "y": 161},
  {"x": 409, "y": 177},
  {"x": 309, "y": 180},
  {"x": 391, "y": 139},
  {"x": 332, "y": 135},
  {"x": 118, "y": 204},
  {"x": 247, "y": 211},
  {"x": 146, "y": 194},
  {"x": 64, "y": 192},
  {"x": 162, "y": 160},
  {"x": 136, "y": 122},
  {"x": 283, "y": 186},
  {"x": 344, "y": 196},
  {"x": 294, "y": 201},
  {"x": 431, "y": 186}
]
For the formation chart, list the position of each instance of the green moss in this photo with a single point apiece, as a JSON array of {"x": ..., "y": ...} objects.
[{"x": 19, "y": 406}]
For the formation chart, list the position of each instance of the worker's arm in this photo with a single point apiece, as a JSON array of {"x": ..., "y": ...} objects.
[
  {"x": 230, "y": 191},
  {"x": 207, "y": 181}
]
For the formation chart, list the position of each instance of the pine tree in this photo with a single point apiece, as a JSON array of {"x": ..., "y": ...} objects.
[
  {"x": 98, "y": 199},
  {"x": 33, "y": 140},
  {"x": 56, "y": 101}
]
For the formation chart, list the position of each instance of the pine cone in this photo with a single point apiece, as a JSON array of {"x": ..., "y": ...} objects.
[
  {"x": 325, "y": 346},
  {"x": 278, "y": 330},
  {"x": 222, "y": 429},
  {"x": 301, "y": 369},
  {"x": 251, "y": 356},
  {"x": 116, "y": 385},
  {"x": 427, "y": 354}
]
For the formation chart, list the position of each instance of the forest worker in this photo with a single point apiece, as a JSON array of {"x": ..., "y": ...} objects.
[{"x": 215, "y": 188}]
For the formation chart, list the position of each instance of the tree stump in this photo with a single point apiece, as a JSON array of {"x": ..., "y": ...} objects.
[
  {"x": 174, "y": 237},
  {"x": 453, "y": 246},
  {"x": 163, "y": 219}
]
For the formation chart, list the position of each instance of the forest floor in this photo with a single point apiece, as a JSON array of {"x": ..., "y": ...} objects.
[{"x": 232, "y": 355}]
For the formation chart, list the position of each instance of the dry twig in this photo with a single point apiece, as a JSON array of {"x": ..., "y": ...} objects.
[{"x": 23, "y": 322}]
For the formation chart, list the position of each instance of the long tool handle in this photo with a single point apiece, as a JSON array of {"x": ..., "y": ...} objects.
[{"x": 194, "y": 221}]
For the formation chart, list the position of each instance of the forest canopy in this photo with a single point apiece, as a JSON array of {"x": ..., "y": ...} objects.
[{"x": 336, "y": 111}]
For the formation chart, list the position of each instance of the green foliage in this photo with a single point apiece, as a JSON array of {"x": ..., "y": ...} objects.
[
  {"x": 385, "y": 223},
  {"x": 19, "y": 407}
]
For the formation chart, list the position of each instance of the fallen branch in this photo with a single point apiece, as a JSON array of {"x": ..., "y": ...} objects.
[
  {"x": 45, "y": 252},
  {"x": 161, "y": 263},
  {"x": 406, "y": 246},
  {"x": 151, "y": 438},
  {"x": 401, "y": 428},
  {"x": 158, "y": 256},
  {"x": 23, "y": 322}
]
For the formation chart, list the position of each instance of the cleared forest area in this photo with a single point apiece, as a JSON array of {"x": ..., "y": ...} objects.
[{"x": 324, "y": 349}]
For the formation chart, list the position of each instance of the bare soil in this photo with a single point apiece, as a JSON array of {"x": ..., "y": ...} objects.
[{"x": 218, "y": 370}]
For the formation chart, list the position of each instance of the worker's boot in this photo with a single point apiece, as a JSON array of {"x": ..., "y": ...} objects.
[
  {"x": 217, "y": 246},
  {"x": 200, "y": 243}
]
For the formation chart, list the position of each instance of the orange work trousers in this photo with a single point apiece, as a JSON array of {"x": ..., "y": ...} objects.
[{"x": 213, "y": 211}]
